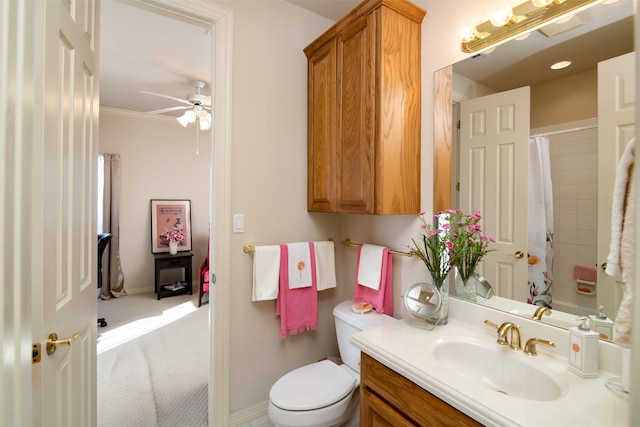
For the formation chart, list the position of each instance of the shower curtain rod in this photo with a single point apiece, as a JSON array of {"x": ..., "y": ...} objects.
[{"x": 557, "y": 132}]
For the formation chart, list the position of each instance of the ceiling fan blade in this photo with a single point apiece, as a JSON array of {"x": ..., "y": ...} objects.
[
  {"x": 184, "y": 101},
  {"x": 166, "y": 110}
]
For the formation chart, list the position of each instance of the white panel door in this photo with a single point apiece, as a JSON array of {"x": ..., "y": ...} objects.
[
  {"x": 616, "y": 127},
  {"x": 494, "y": 134},
  {"x": 64, "y": 386}
]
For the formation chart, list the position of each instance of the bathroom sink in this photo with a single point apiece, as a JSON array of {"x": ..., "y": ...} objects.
[{"x": 499, "y": 368}]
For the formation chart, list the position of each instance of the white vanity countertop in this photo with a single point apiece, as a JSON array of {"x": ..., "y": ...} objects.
[{"x": 408, "y": 350}]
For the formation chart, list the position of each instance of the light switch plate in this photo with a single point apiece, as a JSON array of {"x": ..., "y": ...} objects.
[{"x": 238, "y": 223}]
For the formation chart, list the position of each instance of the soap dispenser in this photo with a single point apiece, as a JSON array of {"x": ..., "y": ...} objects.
[
  {"x": 601, "y": 324},
  {"x": 583, "y": 350}
]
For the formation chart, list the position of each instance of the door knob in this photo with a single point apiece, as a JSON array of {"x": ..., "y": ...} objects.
[
  {"x": 53, "y": 341},
  {"x": 519, "y": 254},
  {"x": 603, "y": 266}
]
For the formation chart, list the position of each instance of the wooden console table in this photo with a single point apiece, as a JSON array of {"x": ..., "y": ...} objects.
[{"x": 166, "y": 261}]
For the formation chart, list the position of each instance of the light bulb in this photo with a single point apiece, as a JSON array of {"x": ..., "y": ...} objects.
[
  {"x": 183, "y": 120},
  {"x": 189, "y": 116},
  {"x": 205, "y": 121},
  {"x": 468, "y": 33},
  {"x": 501, "y": 16},
  {"x": 541, "y": 3}
]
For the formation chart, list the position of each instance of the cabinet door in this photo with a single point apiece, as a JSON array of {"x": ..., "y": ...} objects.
[
  {"x": 321, "y": 110},
  {"x": 375, "y": 412},
  {"x": 356, "y": 116}
]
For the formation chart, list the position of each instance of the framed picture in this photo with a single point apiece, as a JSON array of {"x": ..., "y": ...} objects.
[{"x": 170, "y": 218}]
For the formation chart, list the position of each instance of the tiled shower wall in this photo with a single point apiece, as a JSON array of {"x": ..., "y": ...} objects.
[{"x": 574, "y": 174}]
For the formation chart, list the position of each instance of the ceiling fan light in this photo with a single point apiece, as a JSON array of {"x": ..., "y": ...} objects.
[
  {"x": 183, "y": 120},
  {"x": 205, "y": 121}
]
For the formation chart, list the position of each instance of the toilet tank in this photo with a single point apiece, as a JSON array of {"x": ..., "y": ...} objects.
[{"x": 349, "y": 323}]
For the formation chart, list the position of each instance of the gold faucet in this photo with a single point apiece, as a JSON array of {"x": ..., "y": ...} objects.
[
  {"x": 502, "y": 334},
  {"x": 540, "y": 311},
  {"x": 515, "y": 335},
  {"x": 530, "y": 346}
]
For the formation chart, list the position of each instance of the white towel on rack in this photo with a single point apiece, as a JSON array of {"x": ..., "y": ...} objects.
[
  {"x": 299, "y": 265},
  {"x": 266, "y": 273},
  {"x": 619, "y": 206},
  {"x": 370, "y": 268},
  {"x": 325, "y": 265}
]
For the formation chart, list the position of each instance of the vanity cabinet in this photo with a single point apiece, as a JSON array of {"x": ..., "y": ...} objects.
[
  {"x": 364, "y": 106},
  {"x": 389, "y": 399}
]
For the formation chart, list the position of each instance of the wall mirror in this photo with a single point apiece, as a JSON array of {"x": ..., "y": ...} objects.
[{"x": 563, "y": 106}]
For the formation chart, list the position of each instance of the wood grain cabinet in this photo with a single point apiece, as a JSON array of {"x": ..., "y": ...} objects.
[
  {"x": 364, "y": 106},
  {"x": 389, "y": 399}
]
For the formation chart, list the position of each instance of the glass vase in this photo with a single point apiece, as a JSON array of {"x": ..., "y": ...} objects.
[
  {"x": 441, "y": 317},
  {"x": 465, "y": 289}
]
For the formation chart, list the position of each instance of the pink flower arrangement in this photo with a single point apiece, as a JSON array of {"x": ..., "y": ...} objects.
[
  {"x": 456, "y": 241},
  {"x": 432, "y": 248},
  {"x": 469, "y": 244},
  {"x": 174, "y": 234}
]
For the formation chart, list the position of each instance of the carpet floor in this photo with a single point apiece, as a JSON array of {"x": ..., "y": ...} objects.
[{"x": 153, "y": 359}]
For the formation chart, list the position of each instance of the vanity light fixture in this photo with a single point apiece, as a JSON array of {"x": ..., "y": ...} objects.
[{"x": 524, "y": 18}]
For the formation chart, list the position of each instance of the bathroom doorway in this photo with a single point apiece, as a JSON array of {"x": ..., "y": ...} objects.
[{"x": 218, "y": 20}]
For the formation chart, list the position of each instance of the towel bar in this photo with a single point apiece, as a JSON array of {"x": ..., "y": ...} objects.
[
  {"x": 348, "y": 242},
  {"x": 249, "y": 248}
]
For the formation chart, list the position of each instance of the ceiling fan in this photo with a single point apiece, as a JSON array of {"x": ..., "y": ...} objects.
[{"x": 196, "y": 104}]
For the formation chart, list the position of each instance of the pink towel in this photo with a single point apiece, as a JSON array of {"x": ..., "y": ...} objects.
[
  {"x": 382, "y": 299},
  {"x": 585, "y": 272},
  {"x": 297, "y": 308}
]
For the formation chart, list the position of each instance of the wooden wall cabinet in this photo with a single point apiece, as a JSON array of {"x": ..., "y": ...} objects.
[
  {"x": 389, "y": 399},
  {"x": 364, "y": 107}
]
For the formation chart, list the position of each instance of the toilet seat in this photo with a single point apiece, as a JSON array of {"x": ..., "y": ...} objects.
[{"x": 311, "y": 387}]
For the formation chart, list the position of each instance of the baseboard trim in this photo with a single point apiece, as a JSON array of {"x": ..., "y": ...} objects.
[
  {"x": 134, "y": 291},
  {"x": 249, "y": 415}
]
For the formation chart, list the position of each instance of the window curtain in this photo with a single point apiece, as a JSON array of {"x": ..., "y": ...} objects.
[
  {"x": 540, "y": 251},
  {"x": 112, "y": 277}
]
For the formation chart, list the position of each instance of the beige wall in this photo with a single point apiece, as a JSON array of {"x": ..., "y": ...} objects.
[
  {"x": 269, "y": 180},
  {"x": 563, "y": 100},
  {"x": 269, "y": 163}
]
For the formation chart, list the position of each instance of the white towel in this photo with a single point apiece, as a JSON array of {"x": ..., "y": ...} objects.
[
  {"x": 266, "y": 273},
  {"x": 618, "y": 208},
  {"x": 370, "y": 268},
  {"x": 299, "y": 265},
  {"x": 623, "y": 326},
  {"x": 325, "y": 265}
]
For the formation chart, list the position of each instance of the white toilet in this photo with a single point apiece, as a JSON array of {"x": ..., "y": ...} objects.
[{"x": 324, "y": 394}]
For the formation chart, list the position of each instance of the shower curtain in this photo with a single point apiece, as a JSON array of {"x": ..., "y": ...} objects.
[{"x": 540, "y": 251}]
